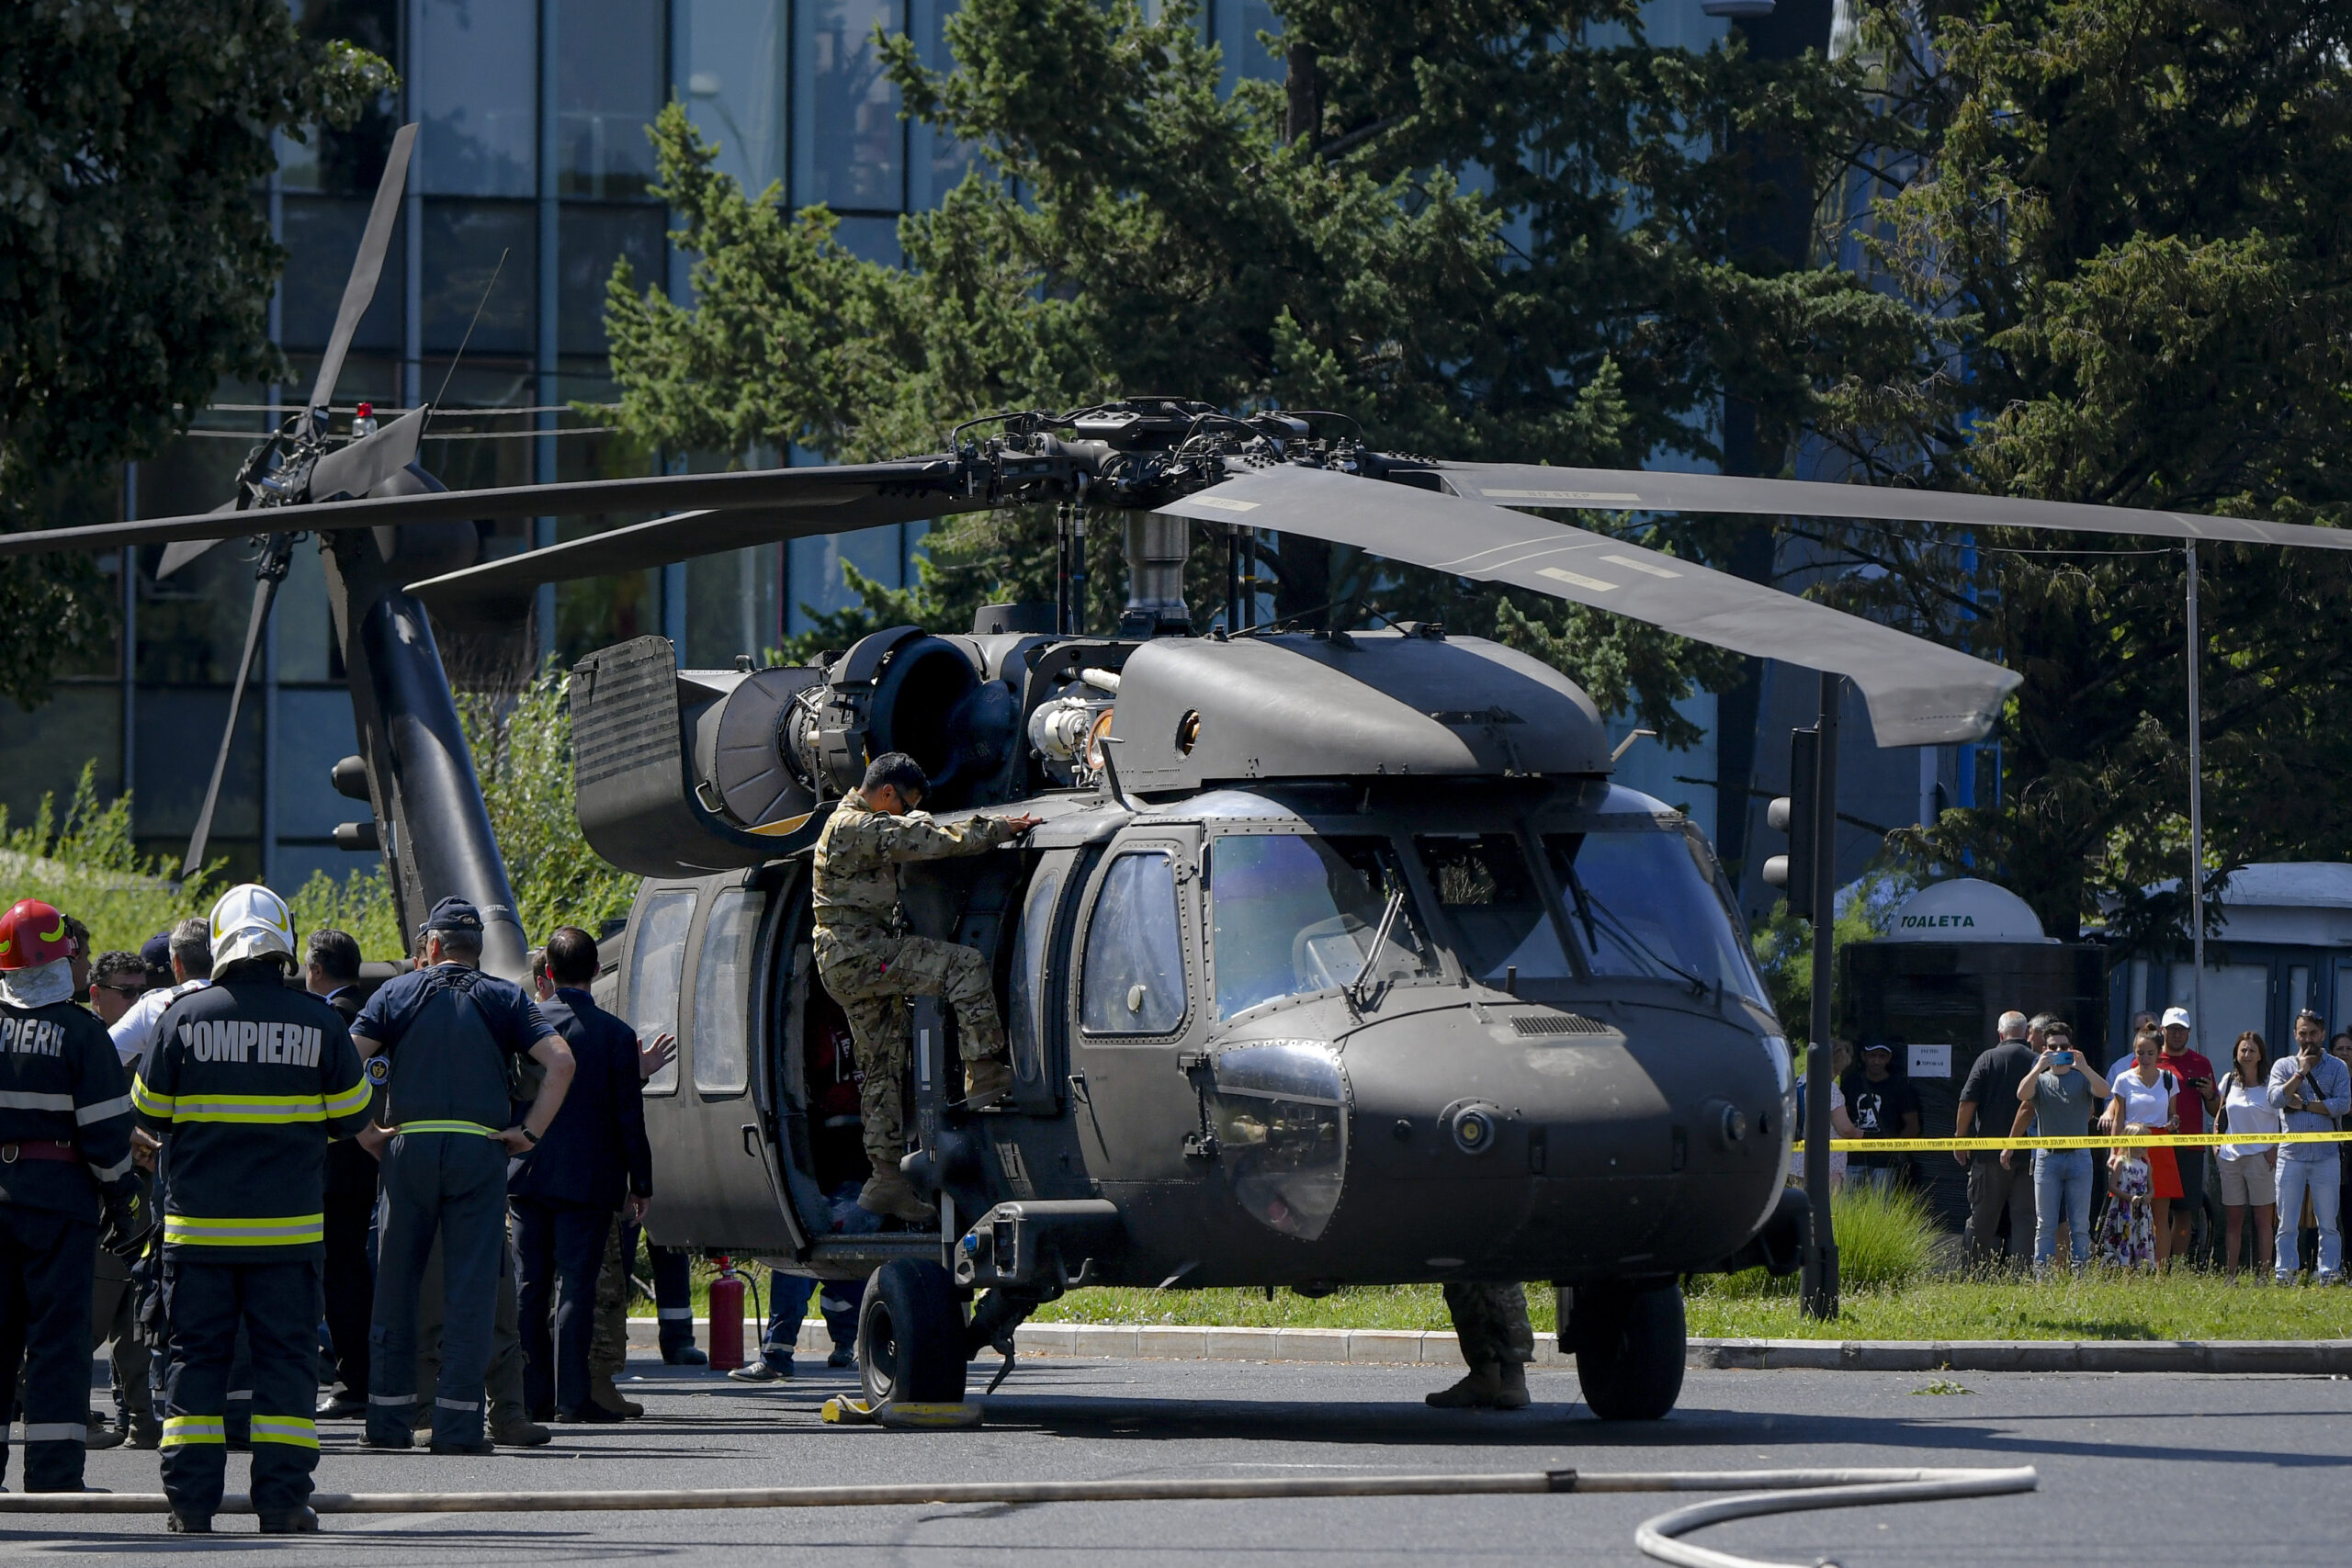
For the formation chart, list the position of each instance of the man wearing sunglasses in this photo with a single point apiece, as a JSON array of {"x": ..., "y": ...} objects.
[{"x": 116, "y": 980}]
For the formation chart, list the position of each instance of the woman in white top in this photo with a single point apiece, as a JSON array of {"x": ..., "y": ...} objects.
[
  {"x": 2249, "y": 1171},
  {"x": 1841, "y": 1056},
  {"x": 2143, "y": 1096}
]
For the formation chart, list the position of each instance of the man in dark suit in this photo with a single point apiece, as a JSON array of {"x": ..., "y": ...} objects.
[
  {"x": 330, "y": 970},
  {"x": 593, "y": 1161}
]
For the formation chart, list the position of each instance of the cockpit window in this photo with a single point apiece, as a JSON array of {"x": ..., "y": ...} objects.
[
  {"x": 1133, "y": 978},
  {"x": 1293, "y": 914},
  {"x": 1495, "y": 910},
  {"x": 1646, "y": 902}
]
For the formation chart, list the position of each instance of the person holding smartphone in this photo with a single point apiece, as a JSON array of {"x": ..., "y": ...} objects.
[
  {"x": 2200, "y": 1099},
  {"x": 2310, "y": 1090},
  {"x": 2058, "y": 1098}
]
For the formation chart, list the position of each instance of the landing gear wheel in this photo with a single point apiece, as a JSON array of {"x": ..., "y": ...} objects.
[
  {"x": 910, "y": 1336},
  {"x": 1630, "y": 1343}
]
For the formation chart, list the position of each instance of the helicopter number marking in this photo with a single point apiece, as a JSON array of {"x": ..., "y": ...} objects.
[
  {"x": 1224, "y": 504},
  {"x": 1640, "y": 565},
  {"x": 1559, "y": 495}
]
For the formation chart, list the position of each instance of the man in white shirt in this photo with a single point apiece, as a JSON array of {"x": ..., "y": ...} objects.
[{"x": 191, "y": 970}]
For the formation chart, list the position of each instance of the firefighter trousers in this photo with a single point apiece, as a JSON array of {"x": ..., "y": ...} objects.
[
  {"x": 277, "y": 1305},
  {"x": 47, "y": 1264}
]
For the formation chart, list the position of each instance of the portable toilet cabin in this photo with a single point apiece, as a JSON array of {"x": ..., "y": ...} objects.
[
  {"x": 2284, "y": 944},
  {"x": 1956, "y": 957}
]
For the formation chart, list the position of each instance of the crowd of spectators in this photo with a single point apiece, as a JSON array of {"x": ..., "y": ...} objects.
[{"x": 2255, "y": 1205}]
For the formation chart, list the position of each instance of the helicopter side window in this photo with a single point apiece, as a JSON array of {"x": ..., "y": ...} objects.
[
  {"x": 722, "y": 976},
  {"x": 1025, "y": 1015},
  {"x": 1646, "y": 902},
  {"x": 1134, "y": 978},
  {"x": 656, "y": 966},
  {"x": 1494, "y": 907},
  {"x": 1292, "y": 914}
]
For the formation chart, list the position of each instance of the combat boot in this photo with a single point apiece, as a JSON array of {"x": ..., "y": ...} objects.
[
  {"x": 146, "y": 1432},
  {"x": 1478, "y": 1391},
  {"x": 1511, "y": 1391},
  {"x": 986, "y": 1082},
  {"x": 889, "y": 1193},
  {"x": 602, "y": 1392},
  {"x": 511, "y": 1428},
  {"x": 303, "y": 1520}
]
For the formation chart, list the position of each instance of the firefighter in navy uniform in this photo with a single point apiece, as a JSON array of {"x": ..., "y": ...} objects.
[
  {"x": 64, "y": 1157},
  {"x": 246, "y": 1081}
]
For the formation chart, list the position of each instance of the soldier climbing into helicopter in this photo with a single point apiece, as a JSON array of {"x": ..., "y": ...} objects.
[{"x": 870, "y": 966}]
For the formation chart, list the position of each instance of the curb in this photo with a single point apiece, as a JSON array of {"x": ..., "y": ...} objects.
[{"x": 1405, "y": 1347}]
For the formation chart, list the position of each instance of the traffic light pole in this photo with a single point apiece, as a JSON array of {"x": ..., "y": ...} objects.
[{"x": 1818, "y": 1282}]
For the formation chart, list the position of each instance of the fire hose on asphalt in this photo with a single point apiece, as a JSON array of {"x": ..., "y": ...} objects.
[{"x": 1760, "y": 1492}]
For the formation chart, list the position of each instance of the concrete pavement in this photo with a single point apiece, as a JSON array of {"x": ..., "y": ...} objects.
[{"x": 2151, "y": 1470}]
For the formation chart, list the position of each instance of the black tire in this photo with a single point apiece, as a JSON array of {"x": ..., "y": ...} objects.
[
  {"x": 1630, "y": 1345},
  {"x": 910, "y": 1336}
]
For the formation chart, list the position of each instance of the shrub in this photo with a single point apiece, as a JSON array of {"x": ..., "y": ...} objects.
[{"x": 1886, "y": 1241}]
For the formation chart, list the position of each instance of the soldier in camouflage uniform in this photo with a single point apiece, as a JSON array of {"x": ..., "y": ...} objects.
[
  {"x": 871, "y": 967},
  {"x": 1490, "y": 1322}
]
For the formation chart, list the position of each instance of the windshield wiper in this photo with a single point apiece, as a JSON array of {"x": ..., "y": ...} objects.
[
  {"x": 1360, "y": 988},
  {"x": 1624, "y": 933}
]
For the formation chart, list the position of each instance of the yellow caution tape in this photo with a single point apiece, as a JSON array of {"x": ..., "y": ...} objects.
[{"x": 2100, "y": 1141}]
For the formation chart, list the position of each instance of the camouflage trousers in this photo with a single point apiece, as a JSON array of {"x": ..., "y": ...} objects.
[
  {"x": 608, "y": 1341},
  {"x": 871, "y": 977},
  {"x": 1491, "y": 1323}
]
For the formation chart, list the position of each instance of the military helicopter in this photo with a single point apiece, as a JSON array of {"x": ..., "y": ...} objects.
[{"x": 1336, "y": 959}]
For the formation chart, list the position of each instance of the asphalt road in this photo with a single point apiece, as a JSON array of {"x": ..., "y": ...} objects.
[{"x": 2140, "y": 1469}]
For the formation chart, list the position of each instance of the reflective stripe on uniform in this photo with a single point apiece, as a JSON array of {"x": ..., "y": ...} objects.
[
  {"x": 474, "y": 1127},
  {"x": 391, "y": 1399},
  {"x": 56, "y": 1432},
  {"x": 265, "y": 1109},
  {"x": 179, "y": 1430},
  {"x": 675, "y": 1315},
  {"x": 104, "y": 1109},
  {"x": 148, "y": 1101},
  {"x": 350, "y": 1099},
  {"x": 31, "y": 1099},
  {"x": 290, "y": 1230},
  {"x": 114, "y": 1172},
  {"x": 296, "y": 1431},
  {"x": 458, "y": 1403}
]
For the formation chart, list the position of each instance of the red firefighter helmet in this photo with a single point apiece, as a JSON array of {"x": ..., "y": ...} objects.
[{"x": 32, "y": 933}]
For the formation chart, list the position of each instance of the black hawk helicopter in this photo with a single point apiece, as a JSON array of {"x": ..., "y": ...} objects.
[{"x": 1338, "y": 958}]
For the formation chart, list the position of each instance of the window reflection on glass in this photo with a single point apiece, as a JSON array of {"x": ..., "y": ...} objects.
[
  {"x": 590, "y": 240},
  {"x": 349, "y": 161},
  {"x": 1493, "y": 905},
  {"x": 1234, "y": 29},
  {"x": 1292, "y": 914},
  {"x": 1648, "y": 902},
  {"x": 608, "y": 87},
  {"x": 936, "y": 162},
  {"x": 849, "y": 143},
  {"x": 1028, "y": 990},
  {"x": 732, "y": 56},
  {"x": 1281, "y": 1118},
  {"x": 1134, "y": 950},
  {"x": 656, "y": 966},
  {"x": 476, "y": 90},
  {"x": 722, "y": 994},
  {"x": 463, "y": 243}
]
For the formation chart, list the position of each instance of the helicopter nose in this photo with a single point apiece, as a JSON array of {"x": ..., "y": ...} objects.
[{"x": 1641, "y": 1138}]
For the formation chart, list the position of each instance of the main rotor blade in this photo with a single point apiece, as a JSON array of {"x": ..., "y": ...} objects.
[
  {"x": 842, "y": 488},
  {"x": 367, "y": 267},
  {"x": 1919, "y": 694},
  {"x": 264, "y": 595},
  {"x": 360, "y": 466},
  {"x": 1525, "y": 485},
  {"x": 497, "y": 590},
  {"x": 179, "y": 555}
]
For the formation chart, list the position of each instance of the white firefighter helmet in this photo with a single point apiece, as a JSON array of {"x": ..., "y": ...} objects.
[{"x": 250, "y": 922}]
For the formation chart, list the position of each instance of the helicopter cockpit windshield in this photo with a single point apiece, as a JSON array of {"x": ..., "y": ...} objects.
[
  {"x": 1296, "y": 913},
  {"x": 1645, "y": 901}
]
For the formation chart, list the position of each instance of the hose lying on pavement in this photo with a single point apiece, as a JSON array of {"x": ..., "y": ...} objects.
[{"x": 1783, "y": 1491}]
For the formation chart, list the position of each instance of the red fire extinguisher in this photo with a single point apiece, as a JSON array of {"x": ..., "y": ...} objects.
[{"x": 727, "y": 1318}]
